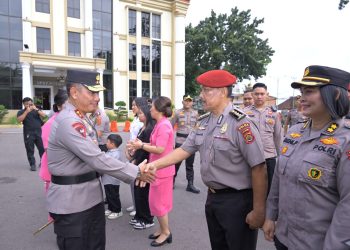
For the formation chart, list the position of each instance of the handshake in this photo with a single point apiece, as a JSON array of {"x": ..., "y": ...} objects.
[{"x": 147, "y": 174}]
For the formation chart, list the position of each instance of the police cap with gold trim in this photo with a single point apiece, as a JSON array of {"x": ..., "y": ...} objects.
[
  {"x": 91, "y": 80},
  {"x": 216, "y": 79},
  {"x": 316, "y": 75},
  {"x": 187, "y": 97}
]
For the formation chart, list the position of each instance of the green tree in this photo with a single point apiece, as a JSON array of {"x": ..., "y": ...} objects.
[
  {"x": 342, "y": 4},
  {"x": 230, "y": 42}
]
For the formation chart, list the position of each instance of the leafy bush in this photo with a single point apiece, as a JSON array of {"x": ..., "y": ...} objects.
[
  {"x": 121, "y": 111},
  {"x": 3, "y": 112},
  {"x": 13, "y": 121}
]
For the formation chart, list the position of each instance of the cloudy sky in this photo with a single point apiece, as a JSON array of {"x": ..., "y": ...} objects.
[{"x": 302, "y": 33}]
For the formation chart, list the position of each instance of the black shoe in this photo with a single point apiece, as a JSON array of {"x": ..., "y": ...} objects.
[
  {"x": 153, "y": 237},
  {"x": 32, "y": 167},
  {"x": 192, "y": 189},
  {"x": 169, "y": 239}
]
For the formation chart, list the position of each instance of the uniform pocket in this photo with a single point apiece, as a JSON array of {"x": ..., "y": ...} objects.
[
  {"x": 319, "y": 170},
  {"x": 221, "y": 148}
]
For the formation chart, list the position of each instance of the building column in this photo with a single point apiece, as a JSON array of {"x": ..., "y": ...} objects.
[
  {"x": 138, "y": 54},
  {"x": 27, "y": 81},
  {"x": 179, "y": 59},
  {"x": 101, "y": 93},
  {"x": 88, "y": 42}
]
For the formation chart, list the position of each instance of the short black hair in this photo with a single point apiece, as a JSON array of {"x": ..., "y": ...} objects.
[
  {"x": 259, "y": 85},
  {"x": 27, "y": 99},
  {"x": 115, "y": 139},
  {"x": 248, "y": 91}
]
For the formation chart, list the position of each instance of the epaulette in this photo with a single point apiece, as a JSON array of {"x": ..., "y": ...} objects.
[
  {"x": 273, "y": 108},
  {"x": 237, "y": 114},
  {"x": 203, "y": 116}
]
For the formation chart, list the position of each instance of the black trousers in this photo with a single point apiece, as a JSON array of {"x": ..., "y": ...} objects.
[
  {"x": 31, "y": 139},
  {"x": 143, "y": 212},
  {"x": 270, "y": 164},
  {"x": 81, "y": 231},
  {"x": 189, "y": 166},
  {"x": 279, "y": 245},
  {"x": 113, "y": 198},
  {"x": 226, "y": 214}
]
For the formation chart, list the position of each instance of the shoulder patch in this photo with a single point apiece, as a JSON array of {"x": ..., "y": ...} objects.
[
  {"x": 203, "y": 116},
  {"x": 237, "y": 114},
  {"x": 80, "y": 128}
]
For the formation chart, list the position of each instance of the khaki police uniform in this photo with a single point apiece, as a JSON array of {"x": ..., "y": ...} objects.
[
  {"x": 100, "y": 122},
  {"x": 295, "y": 117},
  {"x": 311, "y": 187},
  {"x": 229, "y": 146},
  {"x": 186, "y": 121},
  {"x": 270, "y": 129},
  {"x": 75, "y": 193}
]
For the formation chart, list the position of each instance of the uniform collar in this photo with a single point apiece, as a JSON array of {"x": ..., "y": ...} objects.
[{"x": 330, "y": 129}]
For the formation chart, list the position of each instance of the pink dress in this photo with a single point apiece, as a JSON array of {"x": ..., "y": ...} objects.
[
  {"x": 45, "y": 133},
  {"x": 161, "y": 190}
]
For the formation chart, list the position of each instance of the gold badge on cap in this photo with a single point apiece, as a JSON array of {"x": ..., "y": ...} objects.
[
  {"x": 307, "y": 71},
  {"x": 314, "y": 173},
  {"x": 98, "y": 79}
]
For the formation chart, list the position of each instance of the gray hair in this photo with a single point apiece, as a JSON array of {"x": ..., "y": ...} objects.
[{"x": 336, "y": 100}]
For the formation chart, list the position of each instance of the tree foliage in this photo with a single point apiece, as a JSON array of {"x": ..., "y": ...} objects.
[
  {"x": 342, "y": 4},
  {"x": 230, "y": 42}
]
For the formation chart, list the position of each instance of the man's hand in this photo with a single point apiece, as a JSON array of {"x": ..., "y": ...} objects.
[
  {"x": 148, "y": 174},
  {"x": 269, "y": 229},
  {"x": 255, "y": 219}
]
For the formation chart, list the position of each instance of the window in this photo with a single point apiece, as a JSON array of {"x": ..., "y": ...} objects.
[
  {"x": 145, "y": 24},
  {"x": 145, "y": 58},
  {"x": 132, "y": 91},
  {"x": 42, "y": 6},
  {"x": 74, "y": 44},
  {"x": 132, "y": 22},
  {"x": 155, "y": 26},
  {"x": 156, "y": 85},
  {"x": 132, "y": 57},
  {"x": 74, "y": 8},
  {"x": 43, "y": 40},
  {"x": 156, "y": 57},
  {"x": 145, "y": 89}
]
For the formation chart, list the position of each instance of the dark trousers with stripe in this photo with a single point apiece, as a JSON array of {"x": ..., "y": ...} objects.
[
  {"x": 31, "y": 140},
  {"x": 81, "y": 231},
  {"x": 270, "y": 164},
  {"x": 226, "y": 214},
  {"x": 189, "y": 166}
]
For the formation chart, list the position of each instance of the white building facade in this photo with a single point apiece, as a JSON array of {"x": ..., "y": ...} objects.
[{"x": 138, "y": 47}]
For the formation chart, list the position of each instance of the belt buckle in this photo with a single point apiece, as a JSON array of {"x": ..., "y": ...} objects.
[{"x": 212, "y": 190}]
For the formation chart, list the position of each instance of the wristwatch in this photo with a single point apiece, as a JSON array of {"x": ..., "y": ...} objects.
[{"x": 142, "y": 145}]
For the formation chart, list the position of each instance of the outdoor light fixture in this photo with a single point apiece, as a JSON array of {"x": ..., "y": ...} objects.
[{"x": 26, "y": 46}]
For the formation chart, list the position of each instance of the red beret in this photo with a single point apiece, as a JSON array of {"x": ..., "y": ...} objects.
[{"x": 216, "y": 79}]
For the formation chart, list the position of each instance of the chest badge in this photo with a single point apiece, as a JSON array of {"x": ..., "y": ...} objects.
[
  {"x": 284, "y": 150},
  {"x": 329, "y": 141},
  {"x": 223, "y": 128},
  {"x": 314, "y": 173},
  {"x": 295, "y": 135},
  {"x": 270, "y": 121}
]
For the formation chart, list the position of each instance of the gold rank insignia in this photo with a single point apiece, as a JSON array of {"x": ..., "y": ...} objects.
[
  {"x": 332, "y": 128},
  {"x": 98, "y": 79},
  {"x": 284, "y": 150},
  {"x": 295, "y": 135},
  {"x": 314, "y": 173},
  {"x": 223, "y": 128},
  {"x": 329, "y": 141}
]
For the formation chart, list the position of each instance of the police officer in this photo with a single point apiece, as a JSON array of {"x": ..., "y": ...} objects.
[
  {"x": 248, "y": 98},
  {"x": 294, "y": 115},
  {"x": 75, "y": 198},
  {"x": 100, "y": 122},
  {"x": 31, "y": 117},
  {"x": 232, "y": 165},
  {"x": 269, "y": 125},
  {"x": 309, "y": 196},
  {"x": 186, "y": 120}
]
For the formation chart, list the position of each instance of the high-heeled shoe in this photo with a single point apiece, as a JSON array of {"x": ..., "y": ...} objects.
[
  {"x": 153, "y": 237},
  {"x": 169, "y": 239}
]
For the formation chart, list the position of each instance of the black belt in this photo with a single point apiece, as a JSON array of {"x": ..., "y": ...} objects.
[
  {"x": 181, "y": 135},
  {"x": 69, "y": 180},
  {"x": 225, "y": 190}
]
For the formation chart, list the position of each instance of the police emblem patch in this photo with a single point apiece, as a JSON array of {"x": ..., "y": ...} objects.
[
  {"x": 329, "y": 141},
  {"x": 284, "y": 150},
  {"x": 314, "y": 173},
  {"x": 80, "y": 128},
  {"x": 295, "y": 135},
  {"x": 246, "y": 133}
]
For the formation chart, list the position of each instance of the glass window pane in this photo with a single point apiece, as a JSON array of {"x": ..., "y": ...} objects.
[
  {"x": 97, "y": 39},
  {"x": 4, "y": 7},
  {"x": 145, "y": 89},
  {"x": 74, "y": 44},
  {"x": 43, "y": 40},
  {"x": 132, "y": 91},
  {"x": 145, "y": 24},
  {"x": 132, "y": 57},
  {"x": 156, "y": 57},
  {"x": 15, "y": 8},
  {"x": 96, "y": 5},
  {"x": 145, "y": 58},
  {"x": 156, "y": 86},
  {"x": 5, "y": 72},
  {"x": 15, "y": 46},
  {"x": 132, "y": 22},
  {"x": 42, "y": 6},
  {"x": 5, "y": 97},
  {"x": 97, "y": 20},
  {"x": 106, "y": 40},
  {"x": 106, "y": 21},
  {"x": 5, "y": 50},
  {"x": 4, "y": 24},
  {"x": 16, "y": 28},
  {"x": 156, "y": 26},
  {"x": 107, "y": 6}
]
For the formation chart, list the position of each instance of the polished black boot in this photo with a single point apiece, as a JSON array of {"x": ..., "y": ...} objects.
[{"x": 191, "y": 188}]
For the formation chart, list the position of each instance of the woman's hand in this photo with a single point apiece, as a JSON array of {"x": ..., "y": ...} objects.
[
  {"x": 136, "y": 144},
  {"x": 269, "y": 229}
]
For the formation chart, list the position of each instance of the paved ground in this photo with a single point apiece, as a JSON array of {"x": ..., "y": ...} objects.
[{"x": 22, "y": 206}]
